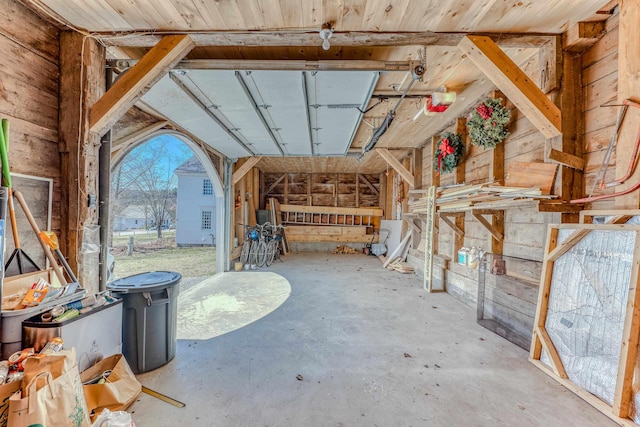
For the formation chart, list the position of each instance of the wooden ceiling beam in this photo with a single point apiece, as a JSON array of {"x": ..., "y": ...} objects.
[
  {"x": 515, "y": 84},
  {"x": 361, "y": 39},
  {"x": 130, "y": 87},
  {"x": 396, "y": 165},
  {"x": 582, "y": 35},
  {"x": 278, "y": 65}
]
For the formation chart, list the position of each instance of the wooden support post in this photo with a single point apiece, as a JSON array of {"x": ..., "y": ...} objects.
[
  {"x": 382, "y": 197},
  {"x": 357, "y": 190},
  {"x": 405, "y": 200},
  {"x": 285, "y": 196},
  {"x": 572, "y": 103},
  {"x": 461, "y": 129},
  {"x": 78, "y": 147},
  {"x": 496, "y": 165},
  {"x": 628, "y": 87},
  {"x": 511, "y": 80},
  {"x": 390, "y": 202},
  {"x": 417, "y": 167},
  {"x": 309, "y": 196},
  {"x": 129, "y": 88},
  {"x": 396, "y": 165},
  {"x": 435, "y": 175},
  {"x": 497, "y": 223}
]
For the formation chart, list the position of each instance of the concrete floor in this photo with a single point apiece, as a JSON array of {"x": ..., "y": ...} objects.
[{"x": 353, "y": 345}]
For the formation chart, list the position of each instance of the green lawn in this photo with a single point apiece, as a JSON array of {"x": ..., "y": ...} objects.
[
  {"x": 140, "y": 236},
  {"x": 189, "y": 261}
]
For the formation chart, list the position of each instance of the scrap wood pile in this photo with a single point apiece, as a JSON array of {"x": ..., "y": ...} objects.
[
  {"x": 341, "y": 250},
  {"x": 396, "y": 260},
  {"x": 475, "y": 196},
  {"x": 400, "y": 267}
]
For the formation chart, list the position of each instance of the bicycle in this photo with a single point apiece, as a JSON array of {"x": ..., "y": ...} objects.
[
  {"x": 273, "y": 245},
  {"x": 250, "y": 236},
  {"x": 261, "y": 245}
]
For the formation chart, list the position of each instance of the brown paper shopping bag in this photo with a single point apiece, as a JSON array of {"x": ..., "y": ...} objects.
[
  {"x": 58, "y": 402},
  {"x": 55, "y": 363},
  {"x": 6, "y": 391},
  {"x": 119, "y": 390}
]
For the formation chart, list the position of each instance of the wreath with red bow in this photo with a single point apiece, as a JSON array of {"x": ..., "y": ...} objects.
[
  {"x": 489, "y": 123},
  {"x": 449, "y": 152}
]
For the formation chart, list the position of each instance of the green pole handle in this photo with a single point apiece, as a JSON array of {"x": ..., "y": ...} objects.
[
  {"x": 4, "y": 156},
  {"x": 5, "y": 130}
]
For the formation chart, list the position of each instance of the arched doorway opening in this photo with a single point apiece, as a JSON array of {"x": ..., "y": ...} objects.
[{"x": 154, "y": 206}]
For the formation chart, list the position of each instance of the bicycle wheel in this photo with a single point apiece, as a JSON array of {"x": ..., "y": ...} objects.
[
  {"x": 261, "y": 256},
  {"x": 271, "y": 251},
  {"x": 244, "y": 255},
  {"x": 253, "y": 253}
]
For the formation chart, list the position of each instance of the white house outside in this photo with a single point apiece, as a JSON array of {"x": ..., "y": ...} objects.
[
  {"x": 131, "y": 218},
  {"x": 196, "y": 205}
]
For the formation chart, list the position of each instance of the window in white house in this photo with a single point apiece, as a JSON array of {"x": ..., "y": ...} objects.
[
  {"x": 207, "y": 188},
  {"x": 206, "y": 220}
]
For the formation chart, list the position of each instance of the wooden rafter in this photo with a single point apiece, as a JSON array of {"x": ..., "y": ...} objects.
[
  {"x": 130, "y": 87},
  {"x": 515, "y": 84},
  {"x": 396, "y": 165},
  {"x": 126, "y": 141},
  {"x": 246, "y": 167}
]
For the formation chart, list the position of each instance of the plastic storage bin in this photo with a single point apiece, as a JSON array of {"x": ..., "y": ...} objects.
[
  {"x": 11, "y": 323},
  {"x": 95, "y": 334},
  {"x": 149, "y": 318}
]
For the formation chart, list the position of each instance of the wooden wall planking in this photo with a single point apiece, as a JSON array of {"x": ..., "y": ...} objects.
[
  {"x": 600, "y": 78},
  {"x": 29, "y": 98},
  {"x": 323, "y": 189}
]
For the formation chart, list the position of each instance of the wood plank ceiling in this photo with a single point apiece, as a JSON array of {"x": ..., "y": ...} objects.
[{"x": 390, "y": 30}]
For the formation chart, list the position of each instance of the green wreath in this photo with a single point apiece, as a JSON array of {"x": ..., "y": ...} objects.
[
  {"x": 449, "y": 152},
  {"x": 489, "y": 122}
]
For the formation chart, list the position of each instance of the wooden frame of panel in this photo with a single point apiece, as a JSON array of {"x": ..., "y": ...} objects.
[{"x": 619, "y": 411}]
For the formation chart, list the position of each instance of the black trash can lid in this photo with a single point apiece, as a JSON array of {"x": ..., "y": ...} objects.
[{"x": 145, "y": 282}]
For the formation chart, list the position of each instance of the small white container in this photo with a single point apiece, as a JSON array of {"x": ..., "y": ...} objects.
[{"x": 463, "y": 254}]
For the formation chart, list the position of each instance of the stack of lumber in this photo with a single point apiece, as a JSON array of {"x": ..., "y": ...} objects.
[
  {"x": 478, "y": 196},
  {"x": 401, "y": 267},
  {"x": 526, "y": 184}
]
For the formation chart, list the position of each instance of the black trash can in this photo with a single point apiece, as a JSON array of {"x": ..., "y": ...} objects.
[{"x": 149, "y": 318}]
